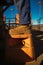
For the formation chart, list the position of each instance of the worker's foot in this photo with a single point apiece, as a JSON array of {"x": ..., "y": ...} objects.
[{"x": 22, "y": 29}]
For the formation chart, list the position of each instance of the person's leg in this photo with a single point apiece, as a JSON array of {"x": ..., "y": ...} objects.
[{"x": 23, "y": 7}]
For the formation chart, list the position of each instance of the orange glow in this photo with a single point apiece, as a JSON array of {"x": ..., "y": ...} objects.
[
  {"x": 29, "y": 48},
  {"x": 17, "y": 18}
]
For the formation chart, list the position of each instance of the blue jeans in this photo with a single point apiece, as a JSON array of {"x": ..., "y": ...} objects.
[{"x": 23, "y": 6}]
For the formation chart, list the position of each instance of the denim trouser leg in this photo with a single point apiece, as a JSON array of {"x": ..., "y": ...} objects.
[{"x": 23, "y": 7}]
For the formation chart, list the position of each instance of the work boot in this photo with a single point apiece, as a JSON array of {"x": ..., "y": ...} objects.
[{"x": 21, "y": 29}]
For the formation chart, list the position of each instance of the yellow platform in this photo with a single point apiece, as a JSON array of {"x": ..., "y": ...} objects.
[{"x": 21, "y": 53}]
